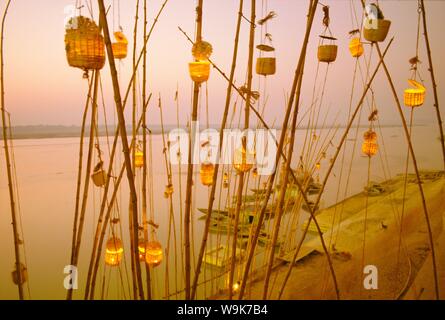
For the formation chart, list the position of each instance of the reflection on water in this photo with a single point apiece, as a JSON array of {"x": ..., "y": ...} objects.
[{"x": 47, "y": 173}]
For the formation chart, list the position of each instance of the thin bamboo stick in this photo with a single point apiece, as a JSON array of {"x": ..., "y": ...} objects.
[
  {"x": 239, "y": 197},
  {"x": 8, "y": 162},
  {"x": 433, "y": 80},
  {"x": 144, "y": 151},
  {"x": 416, "y": 169},
  {"x": 188, "y": 199},
  {"x": 123, "y": 132},
  {"x": 221, "y": 138}
]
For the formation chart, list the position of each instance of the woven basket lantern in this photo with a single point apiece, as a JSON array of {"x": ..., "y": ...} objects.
[
  {"x": 206, "y": 173},
  {"x": 266, "y": 66},
  {"x": 377, "y": 34},
  {"x": 356, "y": 47},
  {"x": 154, "y": 253},
  {"x": 84, "y": 45},
  {"x": 414, "y": 97},
  {"x": 113, "y": 252},
  {"x": 99, "y": 177},
  {"x": 327, "y": 53},
  {"x": 199, "y": 71},
  {"x": 23, "y": 275},
  {"x": 370, "y": 148},
  {"x": 120, "y": 47}
]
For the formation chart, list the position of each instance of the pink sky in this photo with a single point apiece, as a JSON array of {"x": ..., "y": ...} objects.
[{"x": 42, "y": 89}]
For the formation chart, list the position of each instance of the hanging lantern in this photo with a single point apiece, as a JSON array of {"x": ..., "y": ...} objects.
[
  {"x": 199, "y": 71},
  {"x": 206, "y": 173},
  {"x": 225, "y": 180},
  {"x": 142, "y": 245},
  {"x": 120, "y": 47},
  {"x": 327, "y": 52},
  {"x": 113, "y": 252},
  {"x": 99, "y": 175},
  {"x": 202, "y": 50},
  {"x": 414, "y": 97},
  {"x": 255, "y": 172},
  {"x": 168, "y": 190},
  {"x": 243, "y": 160},
  {"x": 154, "y": 253},
  {"x": 318, "y": 165},
  {"x": 23, "y": 275},
  {"x": 370, "y": 135},
  {"x": 84, "y": 45},
  {"x": 376, "y": 30},
  {"x": 356, "y": 47},
  {"x": 266, "y": 66},
  {"x": 138, "y": 159}
]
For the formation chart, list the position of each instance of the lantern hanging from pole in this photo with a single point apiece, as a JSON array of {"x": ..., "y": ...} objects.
[
  {"x": 99, "y": 175},
  {"x": 376, "y": 27},
  {"x": 113, "y": 252},
  {"x": 154, "y": 253},
  {"x": 327, "y": 52},
  {"x": 23, "y": 275},
  {"x": 84, "y": 44},
  {"x": 120, "y": 47},
  {"x": 243, "y": 160},
  {"x": 199, "y": 69},
  {"x": 266, "y": 66},
  {"x": 206, "y": 173},
  {"x": 370, "y": 146},
  {"x": 138, "y": 158},
  {"x": 356, "y": 47},
  {"x": 414, "y": 97}
]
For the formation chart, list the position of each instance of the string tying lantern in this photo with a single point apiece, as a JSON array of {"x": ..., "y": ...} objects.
[{"x": 84, "y": 45}]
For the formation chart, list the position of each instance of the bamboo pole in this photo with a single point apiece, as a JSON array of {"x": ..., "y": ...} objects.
[
  {"x": 123, "y": 133},
  {"x": 331, "y": 166},
  {"x": 416, "y": 169},
  {"x": 8, "y": 162},
  {"x": 433, "y": 80},
  {"x": 239, "y": 197},
  {"x": 87, "y": 175},
  {"x": 133, "y": 258},
  {"x": 188, "y": 199},
  {"x": 144, "y": 151},
  {"x": 311, "y": 15},
  {"x": 221, "y": 138}
]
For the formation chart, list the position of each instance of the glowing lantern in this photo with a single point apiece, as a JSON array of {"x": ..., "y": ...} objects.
[
  {"x": 142, "y": 248},
  {"x": 414, "y": 97},
  {"x": 154, "y": 253},
  {"x": 202, "y": 50},
  {"x": 318, "y": 165},
  {"x": 370, "y": 146},
  {"x": 113, "y": 252},
  {"x": 120, "y": 47},
  {"x": 139, "y": 159},
  {"x": 243, "y": 160},
  {"x": 225, "y": 180},
  {"x": 266, "y": 66},
  {"x": 84, "y": 45},
  {"x": 23, "y": 275},
  {"x": 255, "y": 172},
  {"x": 376, "y": 30},
  {"x": 206, "y": 173},
  {"x": 356, "y": 47},
  {"x": 199, "y": 71},
  {"x": 99, "y": 175}
]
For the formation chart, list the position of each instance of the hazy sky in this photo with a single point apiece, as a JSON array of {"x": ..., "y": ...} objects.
[{"x": 42, "y": 89}]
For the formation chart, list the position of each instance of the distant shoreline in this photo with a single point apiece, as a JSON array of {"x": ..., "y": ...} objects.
[{"x": 50, "y": 132}]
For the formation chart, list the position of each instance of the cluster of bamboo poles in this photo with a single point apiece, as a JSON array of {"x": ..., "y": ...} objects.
[{"x": 285, "y": 154}]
